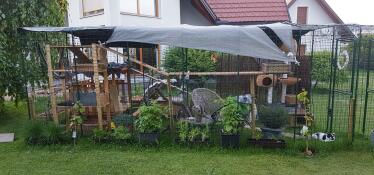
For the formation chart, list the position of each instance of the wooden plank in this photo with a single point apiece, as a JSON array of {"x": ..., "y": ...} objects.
[
  {"x": 97, "y": 86},
  {"x": 81, "y": 56},
  {"x": 254, "y": 107},
  {"x": 135, "y": 61},
  {"x": 107, "y": 97},
  {"x": 218, "y": 73},
  {"x": 50, "y": 83}
]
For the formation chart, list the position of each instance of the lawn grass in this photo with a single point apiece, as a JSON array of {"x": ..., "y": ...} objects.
[{"x": 87, "y": 158}]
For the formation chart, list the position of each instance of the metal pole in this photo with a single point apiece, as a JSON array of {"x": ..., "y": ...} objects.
[
  {"x": 329, "y": 107},
  {"x": 367, "y": 87}
]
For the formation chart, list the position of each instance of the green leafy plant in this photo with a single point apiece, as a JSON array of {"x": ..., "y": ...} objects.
[
  {"x": 53, "y": 134},
  {"x": 34, "y": 132},
  {"x": 274, "y": 117},
  {"x": 100, "y": 135},
  {"x": 306, "y": 131},
  {"x": 78, "y": 116},
  {"x": 121, "y": 133},
  {"x": 183, "y": 130},
  {"x": 150, "y": 118},
  {"x": 231, "y": 116},
  {"x": 194, "y": 134},
  {"x": 205, "y": 133}
]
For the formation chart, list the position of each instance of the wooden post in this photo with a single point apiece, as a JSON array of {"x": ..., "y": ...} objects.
[
  {"x": 350, "y": 120},
  {"x": 32, "y": 103},
  {"x": 51, "y": 84},
  {"x": 141, "y": 59},
  {"x": 107, "y": 98},
  {"x": 129, "y": 93},
  {"x": 254, "y": 107},
  {"x": 170, "y": 103},
  {"x": 97, "y": 86}
]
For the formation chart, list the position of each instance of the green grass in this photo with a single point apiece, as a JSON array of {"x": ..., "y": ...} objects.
[{"x": 87, "y": 158}]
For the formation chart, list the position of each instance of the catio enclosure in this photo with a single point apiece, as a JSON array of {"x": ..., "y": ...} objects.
[{"x": 113, "y": 70}]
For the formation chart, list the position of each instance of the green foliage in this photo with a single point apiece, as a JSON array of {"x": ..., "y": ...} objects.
[
  {"x": 78, "y": 116},
  {"x": 273, "y": 116},
  {"x": 198, "y": 60},
  {"x": 205, "y": 133},
  {"x": 44, "y": 133},
  {"x": 232, "y": 115},
  {"x": 193, "y": 134},
  {"x": 100, "y": 135},
  {"x": 121, "y": 133},
  {"x": 15, "y": 47},
  {"x": 321, "y": 70},
  {"x": 364, "y": 50},
  {"x": 183, "y": 130},
  {"x": 150, "y": 118}
]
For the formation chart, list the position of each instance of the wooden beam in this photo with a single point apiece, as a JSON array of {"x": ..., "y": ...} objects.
[
  {"x": 97, "y": 86},
  {"x": 252, "y": 86},
  {"x": 135, "y": 61},
  {"x": 51, "y": 84},
  {"x": 81, "y": 56},
  {"x": 107, "y": 98},
  {"x": 141, "y": 59}
]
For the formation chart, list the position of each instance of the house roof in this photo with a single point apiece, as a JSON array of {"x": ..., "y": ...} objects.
[
  {"x": 245, "y": 11},
  {"x": 326, "y": 7}
]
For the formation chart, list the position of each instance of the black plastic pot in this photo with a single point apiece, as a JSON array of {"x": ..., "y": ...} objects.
[
  {"x": 267, "y": 143},
  {"x": 149, "y": 138},
  {"x": 269, "y": 133},
  {"x": 230, "y": 141}
]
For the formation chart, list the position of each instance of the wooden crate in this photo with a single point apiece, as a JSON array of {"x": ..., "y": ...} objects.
[{"x": 275, "y": 68}]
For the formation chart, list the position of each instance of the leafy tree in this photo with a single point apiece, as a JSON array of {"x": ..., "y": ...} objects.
[
  {"x": 18, "y": 64},
  {"x": 197, "y": 60}
]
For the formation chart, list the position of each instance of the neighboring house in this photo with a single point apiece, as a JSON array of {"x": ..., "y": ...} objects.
[
  {"x": 233, "y": 12},
  {"x": 312, "y": 12},
  {"x": 173, "y": 12},
  {"x": 315, "y": 12}
]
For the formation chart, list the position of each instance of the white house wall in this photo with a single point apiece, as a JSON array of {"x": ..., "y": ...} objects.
[
  {"x": 190, "y": 15},
  {"x": 316, "y": 14}
]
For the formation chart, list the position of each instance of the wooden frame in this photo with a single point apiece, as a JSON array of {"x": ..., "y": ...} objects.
[{"x": 138, "y": 13}]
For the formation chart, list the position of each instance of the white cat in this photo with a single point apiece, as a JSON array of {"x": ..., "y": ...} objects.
[{"x": 325, "y": 137}]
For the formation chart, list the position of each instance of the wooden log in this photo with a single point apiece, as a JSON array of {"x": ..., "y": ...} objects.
[
  {"x": 51, "y": 84},
  {"x": 97, "y": 86}
]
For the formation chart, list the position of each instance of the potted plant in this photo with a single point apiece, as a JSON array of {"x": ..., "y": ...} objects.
[
  {"x": 150, "y": 122},
  {"x": 77, "y": 119},
  {"x": 303, "y": 98},
  {"x": 274, "y": 118},
  {"x": 189, "y": 133},
  {"x": 231, "y": 120},
  {"x": 121, "y": 135}
]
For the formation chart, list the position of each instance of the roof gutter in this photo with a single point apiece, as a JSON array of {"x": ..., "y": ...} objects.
[{"x": 209, "y": 10}]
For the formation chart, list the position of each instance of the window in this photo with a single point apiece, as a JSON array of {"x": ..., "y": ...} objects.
[
  {"x": 92, "y": 7},
  {"x": 140, "y": 7},
  {"x": 302, "y": 15}
]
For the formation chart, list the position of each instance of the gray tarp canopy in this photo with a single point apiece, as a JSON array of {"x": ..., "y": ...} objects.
[{"x": 249, "y": 41}]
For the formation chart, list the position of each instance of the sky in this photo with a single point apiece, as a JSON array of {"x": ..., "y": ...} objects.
[{"x": 357, "y": 11}]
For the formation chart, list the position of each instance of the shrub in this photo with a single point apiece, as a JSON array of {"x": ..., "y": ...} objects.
[
  {"x": 198, "y": 60},
  {"x": 150, "y": 118},
  {"x": 183, "y": 130},
  {"x": 120, "y": 133},
  {"x": 273, "y": 116},
  {"x": 44, "y": 133},
  {"x": 34, "y": 133},
  {"x": 190, "y": 133},
  {"x": 321, "y": 70},
  {"x": 232, "y": 115},
  {"x": 100, "y": 136}
]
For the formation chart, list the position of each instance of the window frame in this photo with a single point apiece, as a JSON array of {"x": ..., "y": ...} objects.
[
  {"x": 157, "y": 10},
  {"x": 90, "y": 13}
]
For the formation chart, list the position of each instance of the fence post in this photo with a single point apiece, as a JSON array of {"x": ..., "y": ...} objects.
[{"x": 51, "y": 84}]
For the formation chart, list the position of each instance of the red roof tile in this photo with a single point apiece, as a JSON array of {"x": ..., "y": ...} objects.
[{"x": 242, "y": 11}]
